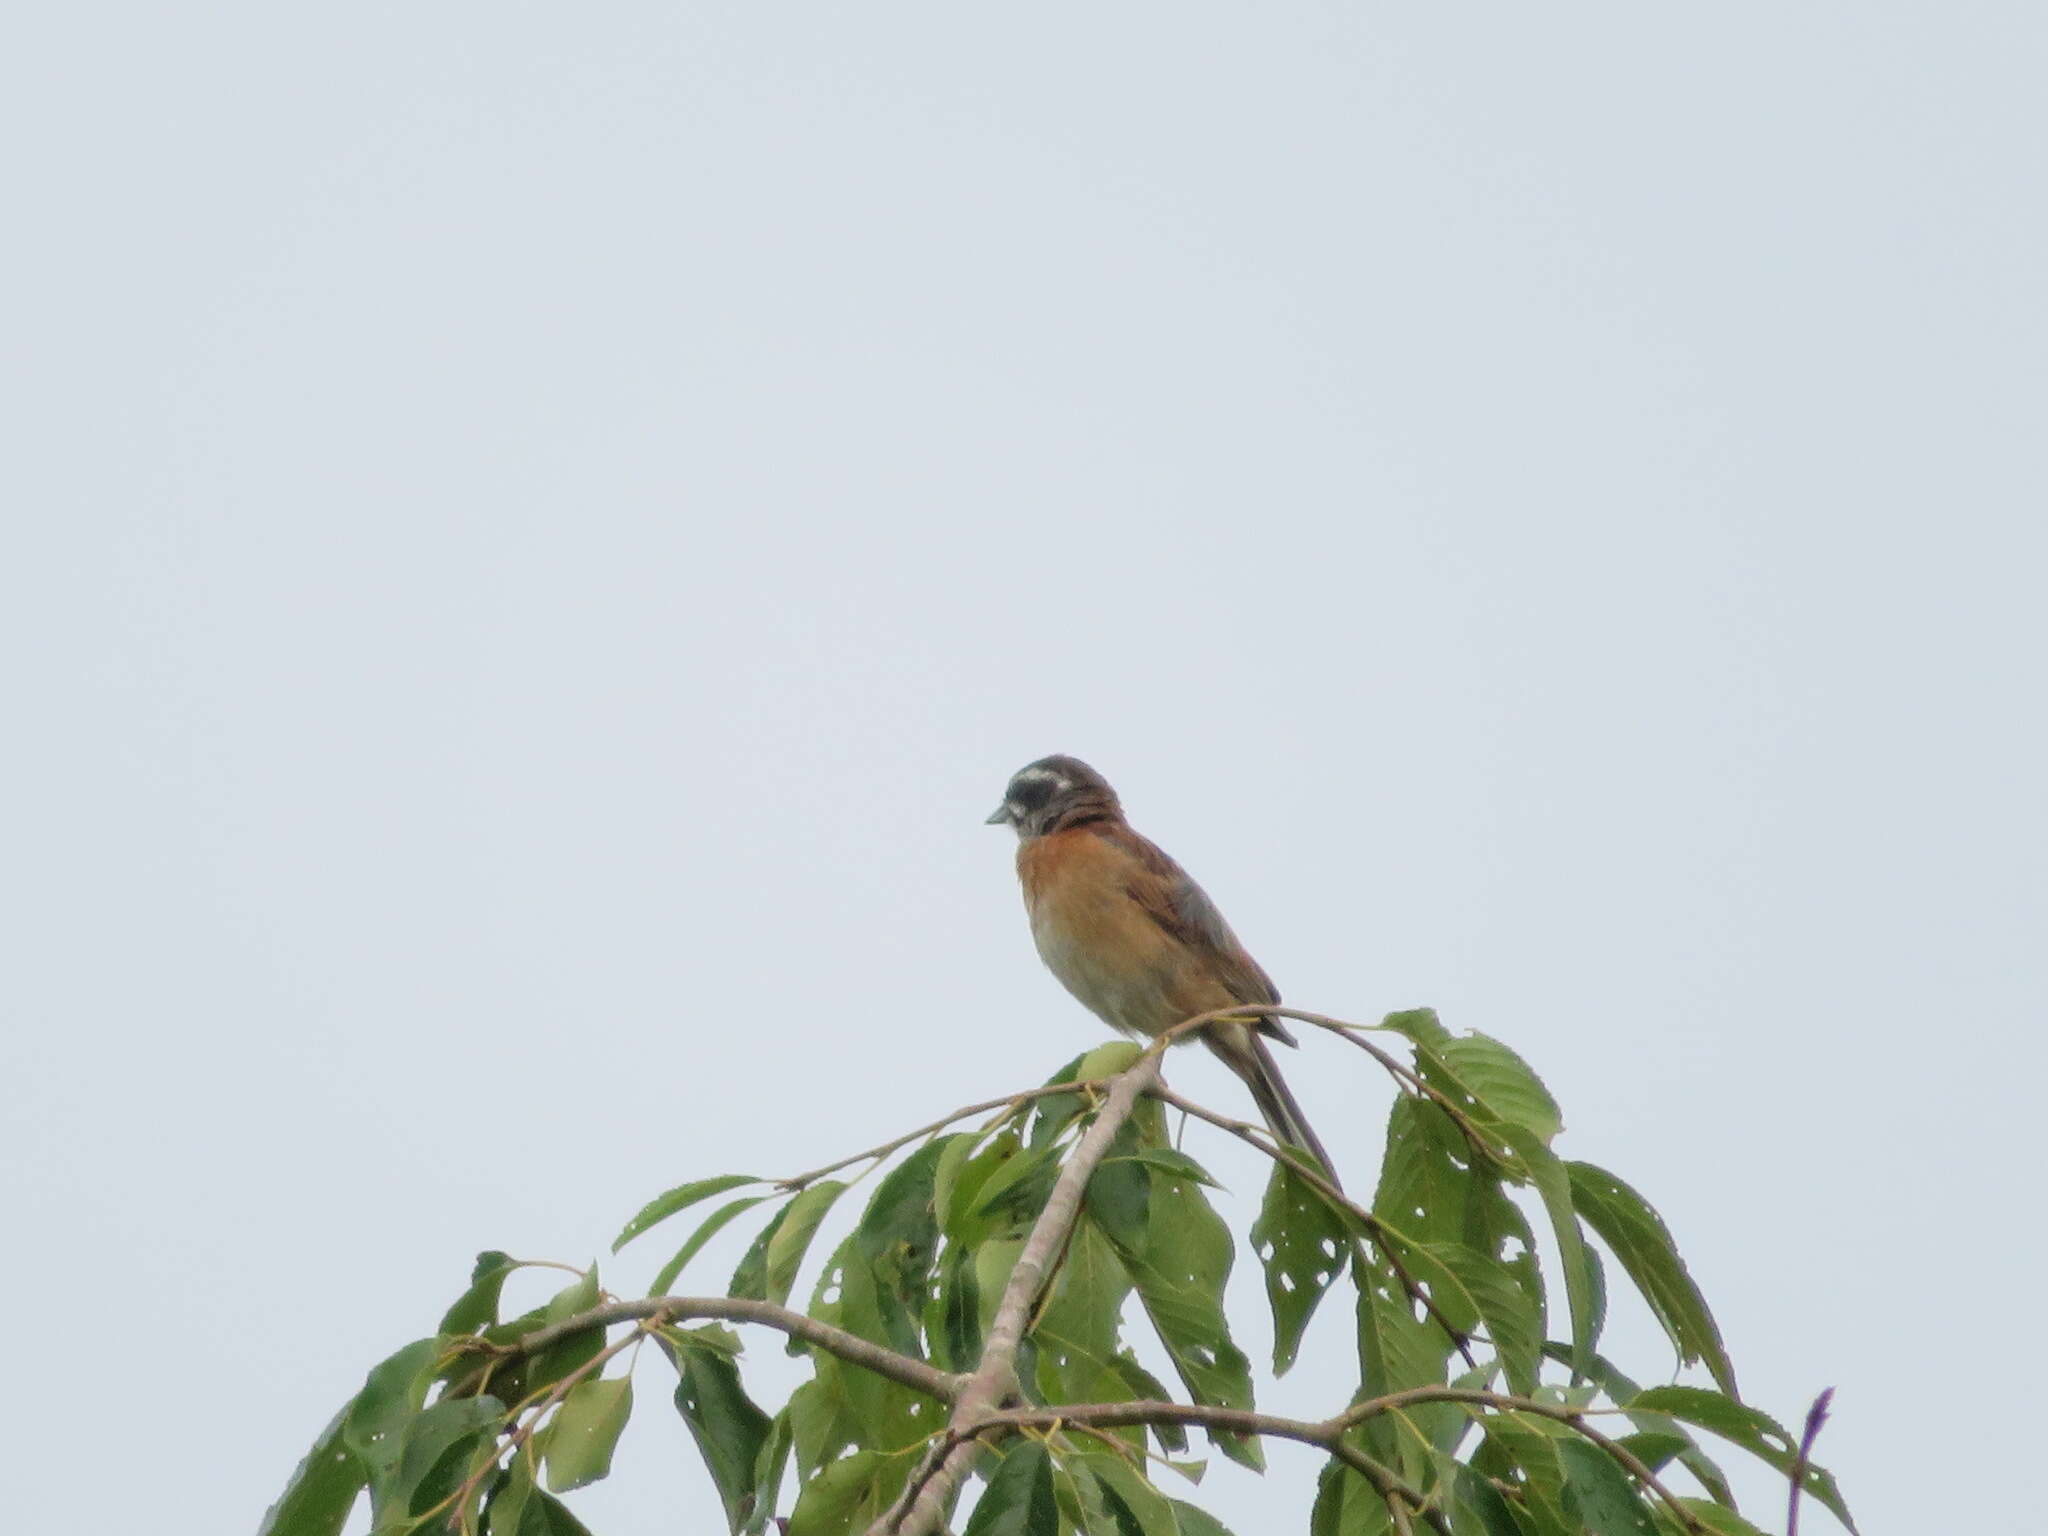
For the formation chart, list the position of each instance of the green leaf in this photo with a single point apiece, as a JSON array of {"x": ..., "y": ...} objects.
[
  {"x": 586, "y": 1430},
  {"x": 1479, "y": 1508},
  {"x": 1347, "y": 1505},
  {"x": 373, "y": 1429},
  {"x": 1624, "y": 1391},
  {"x": 750, "y": 1279},
  {"x": 1582, "y": 1285},
  {"x": 681, "y": 1198},
  {"x": 953, "y": 1318},
  {"x": 1514, "y": 1324},
  {"x": 728, "y": 1426},
  {"x": 1304, "y": 1245},
  {"x": 707, "y": 1229},
  {"x": 794, "y": 1233},
  {"x": 441, "y": 1447},
  {"x": 477, "y": 1307},
  {"x": 768, "y": 1467},
  {"x": 1756, "y": 1432},
  {"x": 1601, "y": 1493},
  {"x": 1418, "y": 1024},
  {"x": 1076, "y": 1328},
  {"x": 1194, "y": 1521},
  {"x": 1720, "y": 1520},
  {"x": 1018, "y": 1500},
  {"x": 1139, "y": 1383},
  {"x": 1638, "y": 1237},
  {"x": 843, "y": 1498},
  {"x": 520, "y": 1507},
  {"x": 322, "y": 1491},
  {"x": 1503, "y": 1085},
  {"x": 1133, "y": 1504},
  {"x": 1180, "y": 1275},
  {"x": 1020, "y": 1183},
  {"x": 558, "y": 1359},
  {"x": 1119, "y": 1196}
]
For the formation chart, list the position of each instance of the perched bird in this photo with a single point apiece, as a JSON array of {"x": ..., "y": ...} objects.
[{"x": 1129, "y": 934}]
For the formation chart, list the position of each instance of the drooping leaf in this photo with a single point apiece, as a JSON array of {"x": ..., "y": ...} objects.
[
  {"x": 729, "y": 1427},
  {"x": 1513, "y": 1323},
  {"x": 793, "y": 1235},
  {"x": 1303, "y": 1244},
  {"x": 681, "y": 1198},
  {"x": 477, "y": 1307},
  {"x": 1582, "y": 1286},
  {"x": 1180, "y": 1275},
  {"x": 1135, "y": 1507},
  {"x": 586, "y": 1430},
  {"x": 373, "y": 1430},
  {"x": 1598, "y": 1491},
  {"x": 1018, "y": 1500},
  {"x": 322, "y": 1491},
  {"x": 1755, "y": 1431},
  {"x": 1076, "y": 1326},
  {"x": 707, "y": 1229},
  {"x": 1638, "y": 1237}
]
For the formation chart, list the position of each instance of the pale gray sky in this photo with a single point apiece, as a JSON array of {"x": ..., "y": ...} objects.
[{"x": 536, "y": 533}]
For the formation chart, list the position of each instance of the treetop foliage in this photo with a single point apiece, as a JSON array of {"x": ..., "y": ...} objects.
[{"x": 974, "y": 1341}]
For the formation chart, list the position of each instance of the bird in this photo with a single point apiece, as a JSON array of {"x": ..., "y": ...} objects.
[{"x": 1133, "y": 937}]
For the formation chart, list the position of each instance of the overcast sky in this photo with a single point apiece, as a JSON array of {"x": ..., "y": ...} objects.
[{"x": 535, "y": 534}]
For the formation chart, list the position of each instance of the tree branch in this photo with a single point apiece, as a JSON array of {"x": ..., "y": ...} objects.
[
  {"x": 922, "y": 1505},
  {"x": 853, "y": 1349}
]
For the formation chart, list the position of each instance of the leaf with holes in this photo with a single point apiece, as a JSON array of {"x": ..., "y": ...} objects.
[
  {"x": 1502, "y": 1083},
  {"x": 1513, "y": 1321},
  {"x": 1303, "y": 1244},
  {"x": 728, "y": 1426}
]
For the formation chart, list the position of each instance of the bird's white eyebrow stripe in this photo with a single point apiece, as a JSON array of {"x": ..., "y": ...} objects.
[{"x": 1040, "y": 775}]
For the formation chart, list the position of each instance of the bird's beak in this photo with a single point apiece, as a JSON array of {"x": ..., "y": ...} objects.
[{"x": 1001, "y": 817}]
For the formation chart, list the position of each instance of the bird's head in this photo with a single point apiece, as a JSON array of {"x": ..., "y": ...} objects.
[{"x": 1054, "y": 792}]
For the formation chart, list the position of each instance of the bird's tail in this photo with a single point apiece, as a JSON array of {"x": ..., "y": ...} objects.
[{"x": 1247, "y": 1054}]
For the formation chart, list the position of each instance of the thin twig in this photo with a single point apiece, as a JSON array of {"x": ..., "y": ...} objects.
[
  {"x": 1008, "y": 1101},
  {"x": 1816, "y": 1416}
]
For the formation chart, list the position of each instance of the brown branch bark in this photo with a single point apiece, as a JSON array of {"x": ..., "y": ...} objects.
[{"x": 921, "y": 1507}]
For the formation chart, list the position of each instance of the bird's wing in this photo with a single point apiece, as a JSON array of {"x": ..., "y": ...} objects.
[{"x": 1166, "y": 894}]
